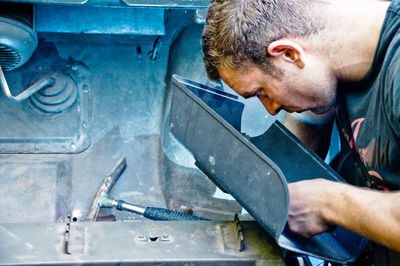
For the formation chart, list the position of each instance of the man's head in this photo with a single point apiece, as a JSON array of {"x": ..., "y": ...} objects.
[
  {"x": 255, "y": 46},
  {"x": 238, "y": 32}
]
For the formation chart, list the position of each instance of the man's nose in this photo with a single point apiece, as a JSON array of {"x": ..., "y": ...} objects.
[{"x": 272, "y": 107}]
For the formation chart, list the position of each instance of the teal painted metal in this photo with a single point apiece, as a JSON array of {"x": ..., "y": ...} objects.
[{"x": 99, "y": 20}]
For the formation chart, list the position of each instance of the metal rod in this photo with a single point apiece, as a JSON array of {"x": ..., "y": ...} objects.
[
  {"x": 42, "y": 83},
  {"x": 122, "y": 205}
]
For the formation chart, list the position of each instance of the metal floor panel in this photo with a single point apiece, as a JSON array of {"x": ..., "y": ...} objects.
[
  {"x": 126, "y": 109},
  {"x": 125, "y": 116},
  {"x": 27, "y": 183},
  {"x": 26, "y": 128}
]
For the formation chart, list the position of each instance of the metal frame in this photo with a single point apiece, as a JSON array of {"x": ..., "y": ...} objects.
[
  {"x": 191, "y": 4},
  {"x": 139, "y": 243}
]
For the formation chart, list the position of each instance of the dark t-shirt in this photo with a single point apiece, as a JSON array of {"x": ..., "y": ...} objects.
[{"x": 371, "y": 124}]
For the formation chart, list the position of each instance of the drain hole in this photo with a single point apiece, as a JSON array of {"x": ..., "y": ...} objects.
[
  {"x": 74, "y": 219},
  {"x": 153, "y": 238},
  {"x": 153, "y": 55}
]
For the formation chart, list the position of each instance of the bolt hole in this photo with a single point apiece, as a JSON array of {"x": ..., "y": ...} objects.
[
  {"x": 74, "y": 219},
  {"x": 85, "y": 88},
  {"x": 153, "y": 56},
  {"x": 139, "y": 52},
  {"x": 153, "y": 238}
]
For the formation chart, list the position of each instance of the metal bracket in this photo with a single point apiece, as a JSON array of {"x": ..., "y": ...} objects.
[
  {"x": 66, "y": 241},
  {"x": 75, "y": 236},
  {"x": 232, "y": 236}
]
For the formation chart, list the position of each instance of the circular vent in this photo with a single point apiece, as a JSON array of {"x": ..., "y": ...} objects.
[
  {"x": 9, "y": 58},
  {"x": 17, "y": 38}
]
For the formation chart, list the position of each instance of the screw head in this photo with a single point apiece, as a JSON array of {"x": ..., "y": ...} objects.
[
  {"x": 165, "y": 238},
  {"x": 141, "y": 238},
  {"x": 211, "y": 159}
]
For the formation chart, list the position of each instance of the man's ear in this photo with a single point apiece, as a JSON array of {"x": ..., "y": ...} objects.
[{"x": 290, "y": 51}]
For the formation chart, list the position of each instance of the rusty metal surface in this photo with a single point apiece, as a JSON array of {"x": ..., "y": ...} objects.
[
  {"x": 124, "y": 114},
  {"x": 150, "y": 243},
  {"x": 129, "y": 99}
]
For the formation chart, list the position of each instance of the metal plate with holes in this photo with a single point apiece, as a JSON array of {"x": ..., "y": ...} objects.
[
  {"x": 56, "y": 119},
  {"x": 135, "y": 243}
]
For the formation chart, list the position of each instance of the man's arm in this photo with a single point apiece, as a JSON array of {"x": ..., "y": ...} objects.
[{"x": 316, "y": 205}]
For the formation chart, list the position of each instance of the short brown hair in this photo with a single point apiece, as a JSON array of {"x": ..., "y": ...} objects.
[{"x": 238, "y": 32}]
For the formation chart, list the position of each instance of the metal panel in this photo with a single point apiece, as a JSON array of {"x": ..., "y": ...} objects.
[
  {"x": 228, "y": 157},
  {"x": 188, "y": 4},
  {"x": 99, "y": 20},
  {"x": 127, "y": 93},
  {"x": 258, "y": 185},
  {"x": 169, "y": 3},
  {"x": 30, "y": 129},
  {"x": 225, "y": 104},
  {"x": 50, "y": 1},
  {"x": 139, "y": 243},
  {"x": 296, "y": 161}
]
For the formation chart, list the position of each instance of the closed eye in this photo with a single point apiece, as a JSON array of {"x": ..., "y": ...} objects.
[{"x": 247, "y": 95}]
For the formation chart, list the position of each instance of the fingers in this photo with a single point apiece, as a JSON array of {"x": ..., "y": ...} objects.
[
  {"x": 306, "y": 208},
  {"x": 308, "y": 228}
]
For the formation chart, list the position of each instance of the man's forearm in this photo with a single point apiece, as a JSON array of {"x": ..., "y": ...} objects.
[
  {"x": 316, "y": 205},
  {"x": 373, "y": 214}
]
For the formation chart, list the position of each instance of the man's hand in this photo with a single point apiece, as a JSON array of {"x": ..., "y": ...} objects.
[
  {"x": 307, "y": 205},
  {"x": 316, "y": 205}
]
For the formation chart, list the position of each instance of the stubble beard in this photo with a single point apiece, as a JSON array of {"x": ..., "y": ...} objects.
[{"x": 328, "y": 100}]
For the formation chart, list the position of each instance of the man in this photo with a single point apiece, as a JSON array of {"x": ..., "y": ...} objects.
[{"x": 325, "y": 56}]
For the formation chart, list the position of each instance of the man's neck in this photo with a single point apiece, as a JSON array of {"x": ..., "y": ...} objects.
[{"x": 352, "y": 37}]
